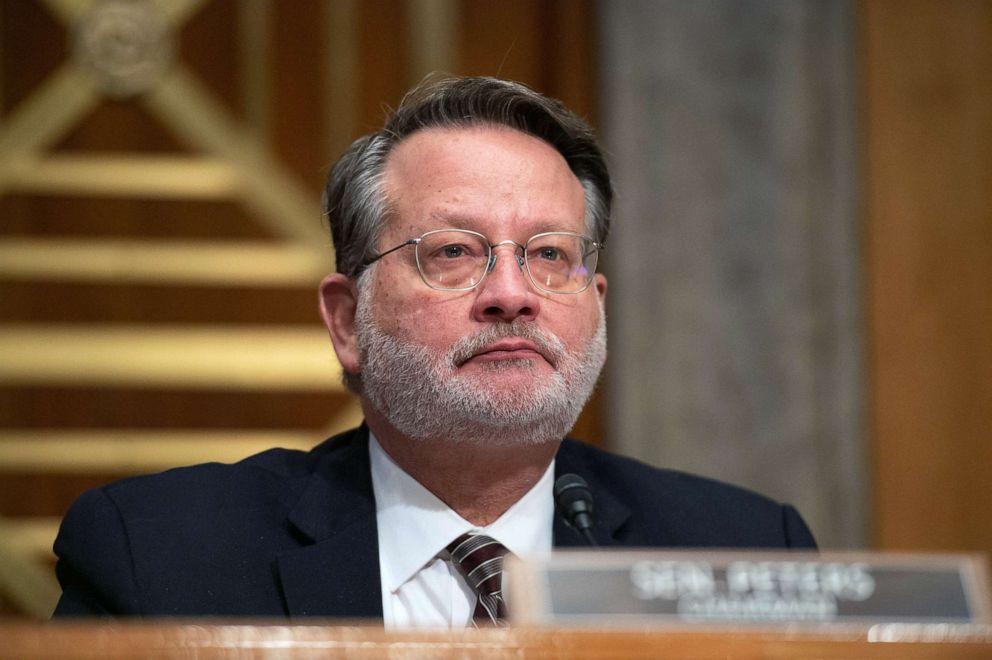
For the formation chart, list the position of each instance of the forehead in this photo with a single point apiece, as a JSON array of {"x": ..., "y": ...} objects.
[{"x": 484, "y": 178}]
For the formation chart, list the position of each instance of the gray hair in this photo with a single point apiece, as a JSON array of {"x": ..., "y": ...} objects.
[{"x": 355, "y": 202}]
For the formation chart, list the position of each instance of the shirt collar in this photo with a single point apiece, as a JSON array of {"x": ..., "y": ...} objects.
[{"x": 414, "y": 525}]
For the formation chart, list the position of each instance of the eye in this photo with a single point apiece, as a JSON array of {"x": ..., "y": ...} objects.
[
  {"x": 549, "y": 253},
  {"x": 453, "y": 251}
]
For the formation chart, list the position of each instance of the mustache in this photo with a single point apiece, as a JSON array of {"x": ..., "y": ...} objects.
[{"x": 546, "y": 342}]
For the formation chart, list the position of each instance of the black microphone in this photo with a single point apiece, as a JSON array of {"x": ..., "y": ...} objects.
[{"x": 573, "y": 499}]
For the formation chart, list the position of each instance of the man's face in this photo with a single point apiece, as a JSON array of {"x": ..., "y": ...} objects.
[{"x": 505, "y": 355}]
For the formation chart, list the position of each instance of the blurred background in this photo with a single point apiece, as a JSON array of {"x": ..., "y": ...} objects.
[{"x": 800, "y": 263}]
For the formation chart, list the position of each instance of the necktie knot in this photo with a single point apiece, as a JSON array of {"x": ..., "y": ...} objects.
[{"x": 479, "y": 559}]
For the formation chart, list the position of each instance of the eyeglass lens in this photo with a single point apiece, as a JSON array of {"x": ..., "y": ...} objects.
[{"x": 556, "y": 262}]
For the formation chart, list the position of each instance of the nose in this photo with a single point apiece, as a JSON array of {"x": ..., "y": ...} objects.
[{"x": 506, "y": 293}]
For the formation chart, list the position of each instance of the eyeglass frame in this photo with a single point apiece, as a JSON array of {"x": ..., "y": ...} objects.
[{"x": 522, "y": 263}]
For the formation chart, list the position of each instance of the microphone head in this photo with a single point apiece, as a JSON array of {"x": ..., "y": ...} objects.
[{"x": 572, "y": 496}]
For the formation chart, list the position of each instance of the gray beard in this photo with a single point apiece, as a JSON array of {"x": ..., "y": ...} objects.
[{"x": 419, "y": 391}]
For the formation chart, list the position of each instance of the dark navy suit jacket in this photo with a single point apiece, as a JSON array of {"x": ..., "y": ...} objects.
[{"x": 288, "y": 533}]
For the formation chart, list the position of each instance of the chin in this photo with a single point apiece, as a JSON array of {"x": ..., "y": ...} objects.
[{"x": 509, "y": 371}]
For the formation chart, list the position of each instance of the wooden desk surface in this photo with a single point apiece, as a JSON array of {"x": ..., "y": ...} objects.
[{"x": 213, "y": 639}]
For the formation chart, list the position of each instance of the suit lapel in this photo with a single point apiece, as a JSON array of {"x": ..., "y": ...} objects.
[
  {"x": 610, "y": 512},
  {"x": 336, "y": 571}
]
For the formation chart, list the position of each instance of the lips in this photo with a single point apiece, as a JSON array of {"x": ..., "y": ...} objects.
[{"x": 510, "y": 349}]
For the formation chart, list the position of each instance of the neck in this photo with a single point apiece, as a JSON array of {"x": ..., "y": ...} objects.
[{"x": 479, "y": 483}]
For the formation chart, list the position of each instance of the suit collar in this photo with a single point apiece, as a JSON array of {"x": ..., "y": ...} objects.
[
  {"x": 336, "y": 571},
  {"x": 610, "y": 513},
  {"x": 339, "y": 491}
]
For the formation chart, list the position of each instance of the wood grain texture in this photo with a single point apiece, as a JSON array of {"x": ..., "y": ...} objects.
[
  {"x": 329, "y": 639},
  {"x": 927, "y": 103}
]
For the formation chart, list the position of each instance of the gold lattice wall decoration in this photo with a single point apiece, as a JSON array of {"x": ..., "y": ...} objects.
[{"x": 127, "y": 49}]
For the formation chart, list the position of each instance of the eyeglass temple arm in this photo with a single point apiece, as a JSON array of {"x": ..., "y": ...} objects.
[
  {"x": 374, "y": 258},
  {"x": 596, "y": 247}
]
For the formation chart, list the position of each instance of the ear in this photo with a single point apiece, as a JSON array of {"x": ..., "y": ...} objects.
[
  {"x": 338, "y": 304},
  {"x": 599, "y": 281}
]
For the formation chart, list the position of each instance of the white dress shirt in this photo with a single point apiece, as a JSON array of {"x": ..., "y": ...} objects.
[{"x": 421, "y": 589}]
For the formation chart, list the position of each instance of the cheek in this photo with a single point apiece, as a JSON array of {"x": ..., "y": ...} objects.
[
  {"x": 578, "y": 337},
  {"x": 394, "y": 304},
  {"x": 578, "y": 325},
  {"x": 416, "y": 320},
  {"x": 416, "y": 315}
]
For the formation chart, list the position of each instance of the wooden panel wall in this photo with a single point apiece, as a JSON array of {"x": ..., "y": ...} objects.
[
  {"x": 281, "y": 85},
  {"x": 927, "y": 103}
]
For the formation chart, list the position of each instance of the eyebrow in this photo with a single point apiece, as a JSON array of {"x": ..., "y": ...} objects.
[{"x": 472, "y": 224}]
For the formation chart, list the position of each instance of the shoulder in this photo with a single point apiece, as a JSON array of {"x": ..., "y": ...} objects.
[
  {"x": 670, "y": 507},
  {"x": 269, "y": 467},
  {"x": 630, "y": 475},
  {"x": 175, "y": 542},
  {"x": 635, "y": 481},
  {"x": 262, "y": 487}
]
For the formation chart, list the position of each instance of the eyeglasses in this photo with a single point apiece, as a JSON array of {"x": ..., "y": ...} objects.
[{"x": 459, "y": 259}]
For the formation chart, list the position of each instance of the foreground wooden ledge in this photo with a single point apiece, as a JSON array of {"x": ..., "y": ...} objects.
[{"x": 214, "y": 639}]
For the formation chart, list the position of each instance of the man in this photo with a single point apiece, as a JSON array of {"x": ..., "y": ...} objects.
[{"x": 467, "y": 315}]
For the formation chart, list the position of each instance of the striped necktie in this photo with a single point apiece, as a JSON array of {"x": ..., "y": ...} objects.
[{"x": 479, "y": 559}]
